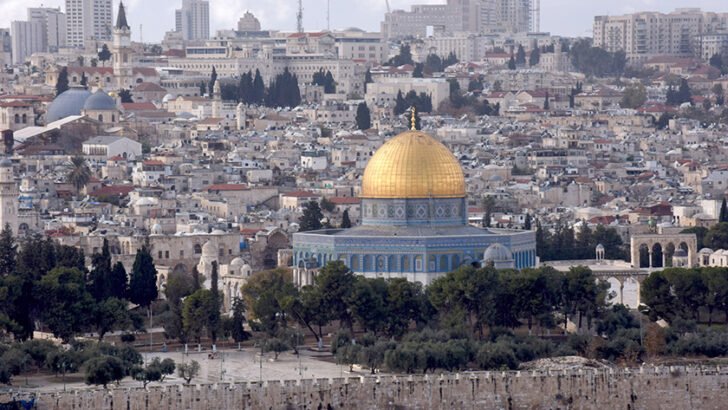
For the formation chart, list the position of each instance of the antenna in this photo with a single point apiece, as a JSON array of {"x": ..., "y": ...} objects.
[
  {"x": 141, "y": 37},
  {"x": 328, "y": 15},
  {"x": 299, "y": 16}
]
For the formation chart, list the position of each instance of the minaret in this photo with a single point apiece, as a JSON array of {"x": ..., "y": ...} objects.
[
  {"x": 122, "y": 51},
  {"x": 216, "y": 100},
  {"x": 241, "y": 116},
  {"x": 8, "y": 196}
]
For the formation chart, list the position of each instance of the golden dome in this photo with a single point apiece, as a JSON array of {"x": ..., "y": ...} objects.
[{"x": 413, "y": 165}]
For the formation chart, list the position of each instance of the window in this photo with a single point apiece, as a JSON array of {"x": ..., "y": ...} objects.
[
  {"x": 159, "y": 255},
  {"x": 166, "y": 254},
  {"x": 198, "y": 248}
]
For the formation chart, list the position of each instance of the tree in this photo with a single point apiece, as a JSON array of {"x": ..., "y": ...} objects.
[
  {"x": 717, "y": 236},
  {"x": 80, "y": 60},
  {"x": 237, "y": 329},
  {"x": 203, "y": 89},
  {"x": 634, "y": 96},
  {"x": 719, "y": 95},
  {"x": 433, "y": 63},
  {"x": 79, "y": 173},
  {"x": 404, "y": 56},
  {"x": 277, "y": 346},
  {"x": 8, "y": 251},
  {"x": 258, "y": 88},
  {"x": 94, "y": 62},
  {"x": 535, "y": 57},
  {"x": 311, "y": 218},
  {"x": 198, "y": 309},
  {"x": 104, "y": 54},
  {"x": 657, "y": 297},
  {"x": 117, "y": 282},
  {"x": 267, "y": 296},
  {"x": 195, "y": 279},
  {"x": 104, "y": 370},
  {"x": 405, "y": 302},
  {"x": 418, "y": 71},
  {"x": 527, "y": 223},
  {"x": 84, "y": 80},
  {"x": 400, "y": 105},
  {"x": 188, "y": 371},
  {"x": 512, "y": 63},
  {"x": 546, "y": 101},
  {"x": 520, "y": 56},
  {"x": 62, "y": 81},
  {"x": 335, "y": 282},
  {"x": 363, "y": 119},
  {"x": 213, "y": 79},
  {"x": 66, "y": 305},
  {"x": 155, "y": 371},
  {"x": 700, "y": 232},
  {"x": 367, "y": 79},
  {"x": 488, "y": 207},
  {"x": 497, "y": 86},
  {"x": 330, "y": 84},
  {"x": 100, "y": 272},
  {"x": 213, "y": 322},
  {"x": 112, "y": 314},
  {"x": 345, "y": 221},
  {"x": 125, "y": 96},
  {"x": 143, "y": 281},
  {"x": 716, "y": 60},
  {"x": 367, "y": 303},
  {"x": 723, "y": 212}
]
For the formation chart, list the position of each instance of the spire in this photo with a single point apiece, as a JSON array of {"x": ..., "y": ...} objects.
[
  {"x": 414, "y": 119},
  {"x": 121, "y": 18}
]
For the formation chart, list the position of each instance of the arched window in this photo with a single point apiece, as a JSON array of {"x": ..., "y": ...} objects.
[
  {"x": 392, "y": 264},
  {"x": 455, "y": 261},
  {"x": 443, "y": 263},
  {"x": 101, "y": 118},
  {"x": 17, "y": 118},
  {"x": 25, "y": 118},
  {"x": 354, "y": 265},
  {"x": 432, "y": 263},
  {"x": 418, "y": 263},
  {"x": 368, "y": 263},
  {"x": 405, "y": 265},
  {"x": 198, "y": 248}
]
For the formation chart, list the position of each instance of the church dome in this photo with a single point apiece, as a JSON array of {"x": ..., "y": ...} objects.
[
  {"x": 413, "y": 165},
  {"x": 6, "y": 163},
  {"x": 69, "y": 102},
  {"x": 100, "y": 101}
]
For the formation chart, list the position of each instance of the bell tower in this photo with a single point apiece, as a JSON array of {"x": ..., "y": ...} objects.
[{"x": 122, "y": 51}]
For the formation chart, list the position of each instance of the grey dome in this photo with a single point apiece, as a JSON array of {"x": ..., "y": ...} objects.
[
  {"x": 497, "y": 253},
  {"x": 70, "y": 102},
  {"x": 100, "y": 101},
  {"x": 5, "y": 163}
]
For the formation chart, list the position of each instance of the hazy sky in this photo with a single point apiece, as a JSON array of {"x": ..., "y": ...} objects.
[{"x": 562, "y": 17}]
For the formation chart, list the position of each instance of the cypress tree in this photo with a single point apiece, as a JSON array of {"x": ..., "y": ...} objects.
[
  {"x": 101, "y": 272},
  {"x": 512, "y": 64},
  {"x": 520, "y": 56},
  {"x": 258, "y": 88},
  {"x": 195, "y": 279},
  {"x": 723, "y": 212},
  {"x": 143, "y": 280},
  {"x": 213, "y": 79},
  {"x": 345, "y": 221},
  {"x": 8, "y": 251},
  {"x": 62, "y": 82},
  {"x": 400, "y": 105},
  {"x": 363, "y": 117},
  {"x": 214, "y": 320},
  {"x": 118, "y": 282}
]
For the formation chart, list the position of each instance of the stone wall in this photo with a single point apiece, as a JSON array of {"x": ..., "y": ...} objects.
[{"x": 645, "y": 388}]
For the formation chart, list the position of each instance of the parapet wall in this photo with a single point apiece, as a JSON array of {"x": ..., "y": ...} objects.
[{"x": 644, "y": 388}]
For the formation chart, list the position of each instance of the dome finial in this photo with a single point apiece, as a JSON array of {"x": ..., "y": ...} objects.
[{"x": 414, "y": 125}]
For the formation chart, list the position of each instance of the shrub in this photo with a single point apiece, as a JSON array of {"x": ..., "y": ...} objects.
[{"x": 496, "y": 356}]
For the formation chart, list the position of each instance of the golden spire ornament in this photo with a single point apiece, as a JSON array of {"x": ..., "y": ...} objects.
[{"x": 414, "y": 126}]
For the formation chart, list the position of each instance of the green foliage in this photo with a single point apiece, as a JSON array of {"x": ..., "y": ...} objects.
[
  {"x": 79, "y": 174},
  {"x": 520, "y": 56},
  {"x": 563, "y": 244},
  {"x": 198, "y": 308},
  {"x": 336, "y": 282},
  {"x": 363, "y": 117},
  {"x": 700, "y": 233},
  {"x": 345, "y": 221},
  {"x": 717, "y": 236},
  {"x": 404, "y": 57},
  {"x": 534, "y": 57},
  {"x": 155, "y": 371},
  {"x": 325, "y": 79},
  {"x": 418, "y": 72},
  {"x": 277, "y": 346},
  {"x": 143, "y": 280},
  {"x": 188, "y": 371},
  {"x": 595, "y": 61},
  {"x": 104, "y": 54},
  {"x": 62, "y": 81},
  {"x": 283, "y": 91},
  {"x": 266, "y": 295},
  {"x": 512, "y": 63},
  {"x": 634, "y": 96},
  {"x": 237, "y": 329},
  {"x": 66, "y": 303},
  {"x": 125, "y": 96},
  {"x": 679, "y": 96},
  {"x": 311, "y": 218},
  {"x": 104, "y": 370}
]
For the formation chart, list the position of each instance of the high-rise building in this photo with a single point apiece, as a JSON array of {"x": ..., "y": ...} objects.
[
  {"x": 27, "y": 38},
  {"x": 463, "y": 16},
  {"x": 248, "y": 22},
  {"x": 53, "y": 23},
  {"x": 6, "y": 47},
  {"x": 193, "y": 19},
  {"x": 647, "y": 34},
  {"x": 88, "y": 20}
]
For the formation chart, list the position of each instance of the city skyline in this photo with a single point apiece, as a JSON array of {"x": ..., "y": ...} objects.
[{"x": 280, "y": 14}]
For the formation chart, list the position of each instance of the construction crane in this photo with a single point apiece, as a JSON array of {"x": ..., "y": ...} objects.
[
  {"x": 388, "y": 9},
  {"x": 299, "y": 16}
]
